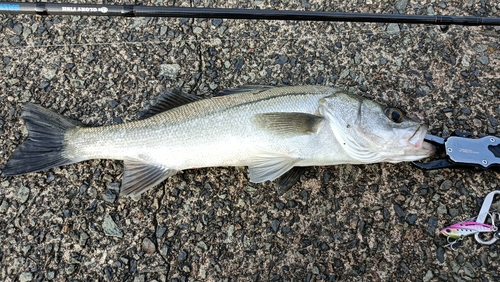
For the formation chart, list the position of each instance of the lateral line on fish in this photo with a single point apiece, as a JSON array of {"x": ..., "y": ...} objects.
[
  {"x": 263, "y": 100},
  {"x": 242, "y": 105}
]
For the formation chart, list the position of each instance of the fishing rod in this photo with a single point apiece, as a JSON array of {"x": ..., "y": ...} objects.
[{"x": 42, "y": 8}]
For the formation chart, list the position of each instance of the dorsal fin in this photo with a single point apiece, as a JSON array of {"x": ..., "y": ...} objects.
[
  {"x": 167, "y": 101},
  {"x": 243, "y": 89}
]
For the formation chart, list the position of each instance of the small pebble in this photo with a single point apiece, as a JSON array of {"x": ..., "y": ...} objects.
[
  {"x": 4, "y": 206},
  {"x": 305, "y": 243},
  {"x": 217, "y": 22},
  {"x": 440, "y": 254},
  {"x": 493, "y": 121},
  {"x": 170, "y": 70},
  {"x": 399, "y": 211},
  {"x": 160, "y": 230},
  {"x": 82, "y": 241},
  {"x": 198, "y": 30},
  {"x": 109, "y": 196},
  {"x": 109, "y": 273},
  {"x": 132, "y": 266},
  {"x": 182, "y": 255},
  {"x": 239, "y": 64},
  {"x": 140, "y": 278},
  {"x": 469, "y": 269},
  {"x": 479, "y": 48},
  {"x": 324, "y": 247},
  {"x": 110, "y": 228},
  {"x": 387, "y": 214},
  {"x": 50, "y": 275},
  {"x": 446, "y": 185},
  {"x": 275, "y": 225},
  {"x": 401, "y": 6},
  {"x": 286, "y": 229},
  {"x": 22, "y": 194},
  {"x": 25, "y": 277},
  {"x": 442, "y": 209},
  {"x": 412, "y": 218},
  {"x": 44, "y": 84},
  {"x": 113, "y": 104},
  {"x": 465, "y": 61},
  {"x": 432, "y": 225},
  {"x": 148, "y": 246},
  {"x": 393, "y": 29},
  {"x": 281, "y": 60},
  {"x": 428, "y": 276},
  {"x": 70, "y": 269},
  {"x": 485, "y": 60}
]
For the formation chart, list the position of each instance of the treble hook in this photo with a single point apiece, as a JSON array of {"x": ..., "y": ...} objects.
[{"x": 451, "y": 243}]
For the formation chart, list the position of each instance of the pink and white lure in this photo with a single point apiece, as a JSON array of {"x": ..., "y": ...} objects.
[{"x": 466, "y": 228}]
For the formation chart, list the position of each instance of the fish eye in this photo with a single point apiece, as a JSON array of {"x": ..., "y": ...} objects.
[
  {"x": 394, "y": 114},
  {"x": 448, "y": 230}
]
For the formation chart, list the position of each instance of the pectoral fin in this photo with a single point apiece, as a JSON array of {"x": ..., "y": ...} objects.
[
  {"x": 269, "y": 166},
  {"x": 288, "y": 123},
  {"x": 140, "y": 177}
]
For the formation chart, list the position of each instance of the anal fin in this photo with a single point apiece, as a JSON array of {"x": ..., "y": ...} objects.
[{"x": 139, "y": 177}]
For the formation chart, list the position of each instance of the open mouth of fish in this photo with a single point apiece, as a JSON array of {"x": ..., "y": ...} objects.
[{"x": 418, "y": 140}]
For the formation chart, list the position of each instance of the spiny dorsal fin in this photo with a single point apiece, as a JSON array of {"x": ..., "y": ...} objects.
[
  {"x": 243, "y": 89},
  {"x": 139, "y": 177},
  {"x": 269, "y": 166},
  {"x": 169, "y": 100},
  {"x": 288, "y": 123}
]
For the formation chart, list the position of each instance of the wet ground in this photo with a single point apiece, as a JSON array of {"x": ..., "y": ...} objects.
[{"x": 375, "y": 222}]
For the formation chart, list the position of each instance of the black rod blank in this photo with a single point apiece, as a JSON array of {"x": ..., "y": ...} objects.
[{"x": 42, "y": 8}]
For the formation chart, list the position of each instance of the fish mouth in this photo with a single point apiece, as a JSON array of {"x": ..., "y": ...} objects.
[{"x": 417, "y": 140}]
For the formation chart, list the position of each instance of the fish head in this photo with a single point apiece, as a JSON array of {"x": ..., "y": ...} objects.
[{"x": 371, "y": 132}]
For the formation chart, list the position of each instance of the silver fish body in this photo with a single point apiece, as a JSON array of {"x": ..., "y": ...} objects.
[{"x": 270, "y": 130}]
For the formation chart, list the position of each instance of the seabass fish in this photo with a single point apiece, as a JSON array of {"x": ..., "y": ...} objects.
[{"x": 269, "y": 129}]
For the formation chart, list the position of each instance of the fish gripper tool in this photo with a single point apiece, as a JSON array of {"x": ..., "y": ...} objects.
[{"x": 462, "y": 151}]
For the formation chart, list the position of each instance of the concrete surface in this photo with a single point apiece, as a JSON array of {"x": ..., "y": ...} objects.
[{"x": 375, "y": 222}]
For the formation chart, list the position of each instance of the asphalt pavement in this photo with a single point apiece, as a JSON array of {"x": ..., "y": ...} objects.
[{"x": 376, "y": 222}]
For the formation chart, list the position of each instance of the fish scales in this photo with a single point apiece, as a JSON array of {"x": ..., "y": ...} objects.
[{"x": 197, "y": 132}]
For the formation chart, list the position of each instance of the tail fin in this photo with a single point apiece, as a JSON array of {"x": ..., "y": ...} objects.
[{"x": 44, "y": 147}]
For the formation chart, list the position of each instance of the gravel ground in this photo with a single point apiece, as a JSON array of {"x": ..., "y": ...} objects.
[{"x": 344, "y": 223}]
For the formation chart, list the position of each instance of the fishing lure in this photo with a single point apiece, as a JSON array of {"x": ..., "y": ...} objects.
[
  {"x": 466, "y": 228},
  {"x": 458, "y": 231}
]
